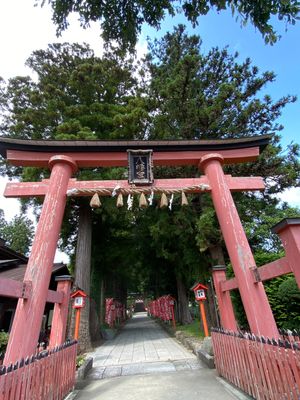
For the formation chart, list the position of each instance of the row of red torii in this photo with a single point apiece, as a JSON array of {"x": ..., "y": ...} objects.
[{"x": 64, "y": 158}]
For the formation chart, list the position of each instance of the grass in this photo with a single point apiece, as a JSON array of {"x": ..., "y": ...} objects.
[
  {"x": 192, "y": 329},
  {"x": 80, "y": 360}
]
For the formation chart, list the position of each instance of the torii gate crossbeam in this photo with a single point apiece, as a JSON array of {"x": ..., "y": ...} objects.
[{"x": 85, "y": 188}]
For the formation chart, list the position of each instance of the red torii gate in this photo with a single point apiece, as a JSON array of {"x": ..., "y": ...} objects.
[{"x": 65, "y": 157}]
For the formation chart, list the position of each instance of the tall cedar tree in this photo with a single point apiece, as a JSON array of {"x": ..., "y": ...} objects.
[
  {"x": 214, "y": 96},
  {"x": 74, "y": 95}
]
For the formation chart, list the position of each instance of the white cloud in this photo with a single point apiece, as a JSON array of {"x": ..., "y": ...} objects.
[
  {"x": 61, "y": 257},
  {"x": 291, "y": 196},
  {"x": 25, "y": 28},
  {"x": 11, "y": 207}
]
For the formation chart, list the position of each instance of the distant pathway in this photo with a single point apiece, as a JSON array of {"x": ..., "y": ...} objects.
[{"x": 142, "y": 347}]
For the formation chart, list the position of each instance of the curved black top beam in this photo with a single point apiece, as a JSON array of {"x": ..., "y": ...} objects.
[{"x": 123, "y": 145}]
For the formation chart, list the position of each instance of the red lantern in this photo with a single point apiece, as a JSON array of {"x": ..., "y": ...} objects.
[
  {"x": 79, "y": 302},
  {"x": 79, "y": 298},
  {"x": 199, "y": 291}
]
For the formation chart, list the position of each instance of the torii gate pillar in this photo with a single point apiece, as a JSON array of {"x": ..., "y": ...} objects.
[
  {"x": 224, "y": 301},
  {"x": 60, "y": 313},
  {"x": 255, "y": 301},
  {"x": 289, "y": 232},
  {"x": 30, "y": 311}
]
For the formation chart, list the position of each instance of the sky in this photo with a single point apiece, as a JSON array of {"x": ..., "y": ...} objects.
[{"x": 25, "y": 28}]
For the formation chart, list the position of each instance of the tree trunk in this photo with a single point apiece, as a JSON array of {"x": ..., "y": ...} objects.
[
  {"x": 102, "y": 305},
  {"x": 217, "y": 256},
  {"x": 212, "y": 306},
  {"x": 83, "y": 249},
  {"x": 94, "y": 326},
  {"x": 184, "y": 314},
  {"x": 83, "y": 271}
]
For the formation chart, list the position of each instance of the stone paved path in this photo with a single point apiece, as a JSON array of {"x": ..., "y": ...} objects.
[
  {"x": 142, "y": 347},
  {"x": 143, "y": 362}
]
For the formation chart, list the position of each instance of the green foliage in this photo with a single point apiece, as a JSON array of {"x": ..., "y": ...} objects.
[
  {"x": 259, "y": 217},
  {"x": 122, "y": 21},
  {"x": 18, "y": 233},
  {"x": 114, "y": 251},
  {"x": 192, "y": 329},
  {"x": 283, "y": 294},
  {"x": 75, "y": 95},
  {"x": 284, "y": 297},
  {"x": 209, "y": 95},
  {"x": 4, "y": 336},
  {"x": 261, "y": 257},
  {"x": 239, "y": 311},
  {"x": 208, "y": 231},
  {"x": 80, "y": 360},
  {"x": 213, "y": 96}
]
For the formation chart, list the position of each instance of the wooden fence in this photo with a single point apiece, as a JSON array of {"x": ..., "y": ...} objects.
[
  {"x": 49, "y": 375},
  {"x": 290, "y": 336},
  {"x": 263, "y": 368}
]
